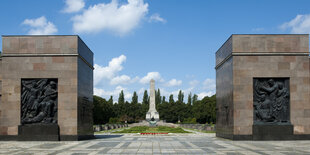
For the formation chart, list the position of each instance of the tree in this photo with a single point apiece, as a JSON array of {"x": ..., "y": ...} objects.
[
  {"x": 121, "y": 99},
  {"x": 102, "y": 110},
  {"x": 145, "y": 103},
  {"x": 171, "y": 100},
  {"x": 189, "y": 114},
  {"x": 195, "y": 98},
  {"x": 145, "y": 97},
  {"x": 134, "y": 98},
  {"x": 200, "y": 111},
  {"x": 120, "y": 106},
  {"x": 110, "y": 101},
  {"x": 157, "y": 97},
  {"x": 180, "y": 96},
  {"x": 189, "y": 99},
  {"x": 210, "y": 108}
]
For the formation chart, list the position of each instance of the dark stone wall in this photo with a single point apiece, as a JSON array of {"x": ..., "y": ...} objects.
[
  {"x": 224, "y": 99},
  {"x": 85, "y": 90},
  {"x": 224, "y": 51},
  {"x": 85, "y": 52}
]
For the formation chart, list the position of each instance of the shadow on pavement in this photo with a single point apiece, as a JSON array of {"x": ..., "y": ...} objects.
[{"x": 107, "y": 136}]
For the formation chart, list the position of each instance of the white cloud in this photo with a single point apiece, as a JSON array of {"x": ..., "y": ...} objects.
[
  {"x": 73, "y": 6},
  {"x": 300, "y": 24},
  {"x": 173, "y": 83},
  {"x": 40, "y": 26},
  {"x": 141, "y": 91},
  {"x": 128, "y": 96},
  {"x": 123, "y": 79},
  {"x": 110, "y": 71},
  {"x": 193, "y": 83},
  {"x": 113, "y": 16},
  {"x": 203, "y": 94},
  {"x": 114, "y": 93},
  {"x": 156, "y": 18},
  {"x": 151, "y": 75},
  {"x": 209, "y": 84}
]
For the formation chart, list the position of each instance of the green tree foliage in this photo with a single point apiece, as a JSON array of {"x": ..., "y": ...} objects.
[
  {"x": 134, "y": 98},
  {"x": 145, "y": 102},
  {"x": 121, "y": 99},
  {"x": 200, "y": 111},
  {"x": 195, "y": 98},
  {"x": 157, "y": 97},
  {"x": 102, "y": 110},
  {"x": 134, "y": 112},
  {"x": 171, "y": 100},
  {"x": 189, "y": 99},
  {"x": 204, "y": 110},
  {"x": 180, "y": 96}
]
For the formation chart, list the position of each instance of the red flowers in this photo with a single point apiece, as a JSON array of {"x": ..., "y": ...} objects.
[{"x": 152, "y": 133}]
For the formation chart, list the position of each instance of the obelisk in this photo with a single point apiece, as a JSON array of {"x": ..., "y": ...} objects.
[{"x": 152, "y": 114}]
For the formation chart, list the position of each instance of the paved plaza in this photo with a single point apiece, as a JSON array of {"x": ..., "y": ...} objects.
[{"x": 196, "y": 143}]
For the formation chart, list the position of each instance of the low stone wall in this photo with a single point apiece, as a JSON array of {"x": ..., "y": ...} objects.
[
  {"x": 98, "y": 128},
  {"x": 201, "y": 127}
]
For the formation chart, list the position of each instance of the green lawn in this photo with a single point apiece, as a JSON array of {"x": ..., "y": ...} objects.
[{"x": 146, "y": 129}]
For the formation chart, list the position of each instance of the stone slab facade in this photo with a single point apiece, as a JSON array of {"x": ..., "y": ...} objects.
[
  {"x": 65, "y": 58},
  {"x": 244, "y": 57}
]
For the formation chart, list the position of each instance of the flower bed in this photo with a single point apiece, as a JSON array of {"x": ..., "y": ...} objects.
[{"x": 152, "y": 133}]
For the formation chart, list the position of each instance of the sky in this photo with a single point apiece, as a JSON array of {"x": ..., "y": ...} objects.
[{"x": 171, "y": 41}]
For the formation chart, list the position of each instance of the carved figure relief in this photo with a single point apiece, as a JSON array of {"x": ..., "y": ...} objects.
[
  {"x": 271, "y": 100},
  {"x": 38, "y": 101}
]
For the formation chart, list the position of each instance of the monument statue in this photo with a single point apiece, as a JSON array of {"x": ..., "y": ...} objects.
[
  {"x": 39, "y": 101},
  {"x": 152, "y": 115},
  {"x": 271, "y": 100}
]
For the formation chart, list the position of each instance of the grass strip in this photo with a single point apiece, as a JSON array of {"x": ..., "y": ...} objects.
[{"x": 146, "y": 129}]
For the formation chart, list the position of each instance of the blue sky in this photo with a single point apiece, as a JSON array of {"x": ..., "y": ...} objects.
[{"x": 172, "y": 41}]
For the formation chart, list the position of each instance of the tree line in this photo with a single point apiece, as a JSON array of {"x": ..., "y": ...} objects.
[{"x": 194, "y": 111}]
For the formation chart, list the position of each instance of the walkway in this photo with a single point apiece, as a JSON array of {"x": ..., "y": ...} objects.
[{"x": 198, "y": 143}]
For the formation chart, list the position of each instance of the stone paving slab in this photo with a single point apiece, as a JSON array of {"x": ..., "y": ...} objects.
[{"x": 196, "y": 143}]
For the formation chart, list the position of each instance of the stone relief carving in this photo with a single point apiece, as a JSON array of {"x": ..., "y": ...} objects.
[
  {"x": 39, "y": 101},
  {"x": 271, "y": 100}
]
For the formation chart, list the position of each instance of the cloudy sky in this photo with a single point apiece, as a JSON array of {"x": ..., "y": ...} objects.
[{"x": 171, "y": 41}]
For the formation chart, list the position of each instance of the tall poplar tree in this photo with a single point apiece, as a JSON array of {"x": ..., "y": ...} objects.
[
  {"x": 121, "y": 99},
  {"x": 164, "y": 99},
  {"x": 157, "y": 97},
  {"x": 145, "y": 103},
  {"x": 180, "y": 96},
  {"x": 195, "y": 98},
  {"x": 134, "y": 98},
  {"x": 189, "y": 99},
  {"x": 171, "y": 100}
]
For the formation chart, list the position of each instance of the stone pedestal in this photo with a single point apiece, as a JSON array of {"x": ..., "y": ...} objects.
[
  {"x": 273, "y": 132},
  {"x": 38, "y": 132},
  {"x": 263, "y": 79}
]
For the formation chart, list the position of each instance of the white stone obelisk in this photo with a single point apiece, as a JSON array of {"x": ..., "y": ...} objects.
[{"x": 152, "y": 113}]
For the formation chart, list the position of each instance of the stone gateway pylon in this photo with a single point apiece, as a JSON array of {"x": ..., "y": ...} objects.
[{"x": 152, "y": 114}]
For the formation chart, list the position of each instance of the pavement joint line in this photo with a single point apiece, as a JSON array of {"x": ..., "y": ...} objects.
[{"x": 176, "y": 144}]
